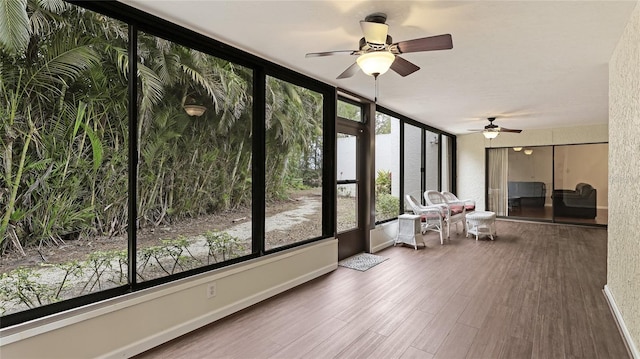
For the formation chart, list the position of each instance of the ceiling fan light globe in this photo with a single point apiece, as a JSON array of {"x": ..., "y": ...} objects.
[
  {"x": 377, "y": 62},
  {"x": 490, "y": 134}
]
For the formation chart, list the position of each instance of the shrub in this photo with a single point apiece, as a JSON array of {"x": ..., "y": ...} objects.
[
  {"x": 383, "y": 182},
  {"x": 386, "y": 206},
  {"x": 223, "y": 246}
]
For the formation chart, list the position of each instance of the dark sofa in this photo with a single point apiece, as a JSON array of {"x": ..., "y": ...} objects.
[
  {"x": 578, "y": 203},
  {"x": 527, "y": 194}
]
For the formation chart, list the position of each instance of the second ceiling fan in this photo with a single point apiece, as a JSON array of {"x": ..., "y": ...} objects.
[
  {"x": 492, "y": 130},
  {"x": 377, "y": 53}
]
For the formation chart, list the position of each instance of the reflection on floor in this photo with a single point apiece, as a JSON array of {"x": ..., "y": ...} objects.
[{"x": 546, "y": 213}]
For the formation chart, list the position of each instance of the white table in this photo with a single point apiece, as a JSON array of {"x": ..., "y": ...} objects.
[
  {"x": 481, "y": 222},
  {"x": 408, "y": 227}
]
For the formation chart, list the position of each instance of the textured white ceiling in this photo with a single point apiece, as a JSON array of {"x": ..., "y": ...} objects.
[{"x": 532, "y": 64}]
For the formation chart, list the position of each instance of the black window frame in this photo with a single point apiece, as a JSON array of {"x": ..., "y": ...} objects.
[
  {"x": 424, "y": 128},
  {"x": 138, "y": 20}
]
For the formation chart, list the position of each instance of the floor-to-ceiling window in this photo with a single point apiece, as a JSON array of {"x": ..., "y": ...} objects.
[
  {"x": 432, "y": 161},
  {"x": 118, "y": 182},
  {"x": 64, "y": 144},
  {"x": 413, "y": 165},
  {"x": 446, "y": 180},
  {"x": 195, "y": 148},
  {"x": 426, "y": 158},
  {"x": 387, "y": 180},
  {"x": 294, "y": 162}
]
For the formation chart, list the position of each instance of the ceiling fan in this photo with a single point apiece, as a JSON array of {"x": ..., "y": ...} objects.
[
  {"x": 492, "y": 130},
  {"x": 377, "y": 52}
]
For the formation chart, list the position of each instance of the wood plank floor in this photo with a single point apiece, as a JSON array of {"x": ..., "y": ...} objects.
[
  {"x": 534, "y": 292},
  {"x": 546, "y": 213}
]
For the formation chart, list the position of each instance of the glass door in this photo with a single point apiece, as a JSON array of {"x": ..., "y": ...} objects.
[
  {"x": 580, "y": 186},
  {"x": 530, "y": 176},
  {"x": 350, "y": 192},
  {"x": 559, "y": 183}
]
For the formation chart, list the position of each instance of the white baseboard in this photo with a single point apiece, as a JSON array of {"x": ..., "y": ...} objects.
[
  {"x": 383, "y": 236},
  {"x": 382, "y": 246},
  {"x": 631, "y": 346},
  {"x": 184, "y": 328}
]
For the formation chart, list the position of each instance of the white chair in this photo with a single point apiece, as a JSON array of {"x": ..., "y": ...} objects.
[
  {"x": 469, "y": 204},
  {"x": 431, "y": 217},
  {"x": 454, "y": 212}
]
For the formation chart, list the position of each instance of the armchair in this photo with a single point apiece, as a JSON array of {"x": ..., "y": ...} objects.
[
  {"x": 578, "y": 203},
  {"x": 430, "y": 217},
  {"x": 454, "y": 212},
  {"x": 469, "y": 204}
]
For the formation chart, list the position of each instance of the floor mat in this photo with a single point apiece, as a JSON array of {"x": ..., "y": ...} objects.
[{"x": 362, "y": 261}]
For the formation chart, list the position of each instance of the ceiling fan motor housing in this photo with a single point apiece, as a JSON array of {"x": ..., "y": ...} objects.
[
  {"x": 490, "y": 126},
  {"x": 378, "y": 17},
  {"x": 363, "y": 44}
]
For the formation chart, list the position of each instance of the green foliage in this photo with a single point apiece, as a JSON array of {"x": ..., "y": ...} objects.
[
  {"x": 30, "y": 287},
  {"x": 383, "y": 124},
  {"x": 386, "y": 206},
  {"x": 99, "y": 264},
  {"x": 64, "y": 119},
  {"x": 383, "y": 182},
  {"x": 14, "y": 25},
  {"x": 222, "y": 246},
  {"x": 23, "y": 287},
  {"x": 349, "y": 111}
]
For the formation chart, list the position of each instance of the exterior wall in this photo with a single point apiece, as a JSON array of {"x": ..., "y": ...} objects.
[
  {"x": 412, "y": 161},
  {"x": 128, "y": 325},
  {"x": 471, "y": 152},
  {"x": 623, "y": 264},
  {"x": 346, "y": 151},
  {"x": 388, "y": 155}
]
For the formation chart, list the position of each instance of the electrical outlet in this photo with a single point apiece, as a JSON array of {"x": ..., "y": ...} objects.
[{"x": 211, "y": 290}]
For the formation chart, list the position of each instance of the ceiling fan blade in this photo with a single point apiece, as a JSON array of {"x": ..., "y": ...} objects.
[
  {"x": 502, "y": 129},
  {"x": 331, "y": 53},
  {"x": 350, "y": 71},
  {"x": 403, "y": 67},
  {"x": 439, "y": 42}
]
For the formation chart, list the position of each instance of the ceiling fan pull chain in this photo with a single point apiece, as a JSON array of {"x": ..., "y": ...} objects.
[{"x": 375, "y": 80}]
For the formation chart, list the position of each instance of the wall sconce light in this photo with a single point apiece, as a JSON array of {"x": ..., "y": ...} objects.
[
  {"x": 517, "y": 149},
  {"x": 194, "y": 110},
  {"x": 490, "y": 134},
  {"x": 375, "y": 63},
  {"x": 528, "y": 151}
]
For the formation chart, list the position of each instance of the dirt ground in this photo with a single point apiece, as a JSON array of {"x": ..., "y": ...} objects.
[{"x": 79, "y": 249}]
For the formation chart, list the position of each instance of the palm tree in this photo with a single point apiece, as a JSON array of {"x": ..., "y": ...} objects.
[
  {"x": 34, "y": 75},
  {"x": 294, "y": 127},
  {"x": 65, "y": 129}
]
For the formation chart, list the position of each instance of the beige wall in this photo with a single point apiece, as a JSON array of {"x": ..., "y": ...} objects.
[
  {"x": 623, "y": 265},
  {"x": 471, "y": 149},
  {"x": 125, "y": 326}
]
